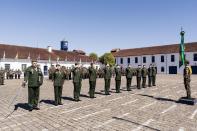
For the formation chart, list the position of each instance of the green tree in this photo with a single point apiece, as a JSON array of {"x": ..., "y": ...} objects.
[
  {"x": 107, "y": 58},
  {"x": 93, "y": 56}
]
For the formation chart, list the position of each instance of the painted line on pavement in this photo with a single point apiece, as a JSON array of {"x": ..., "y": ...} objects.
[
  {"x": 181, "y": 129},
  {"x": 129, "y": 102},
  {"x": 143, "y": 107},
  {"x": 144, "y": 124},
  {"x": 168, "y": 109},
  {"x": 193, "y": 114},
  {"x": 82, "y": 117},
  {"x": 114, "y": 99},
  {"x": 67, "y": 111},
  {"x": 111, "y": 120}
]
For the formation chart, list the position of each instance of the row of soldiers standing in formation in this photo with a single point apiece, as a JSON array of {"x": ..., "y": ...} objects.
[
  {"x": 34, "y": 77},
  {"x": 9, "y": 74}
]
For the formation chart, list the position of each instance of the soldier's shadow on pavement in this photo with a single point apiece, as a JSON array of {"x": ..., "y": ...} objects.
[
  {"x": 167, "y": 99},
  {"x": 68, "y": 98},
  {"x": 51, "y": 102},
  {"x": 83, "y": 95},
  {"x": 159, "y": 98},
  {"x": 22, "y": 105},
  {"x": 151, "y": 128},
  {"x": 100, "y": 93}
]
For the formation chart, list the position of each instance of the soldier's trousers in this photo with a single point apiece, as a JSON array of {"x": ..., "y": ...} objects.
[
  {"x": 77, "y": 89},
  {"x": 107, "y": 85},
  {"x": 58, "y": 94},
  {"x": 187, "y": 87},
  {"x": 144, "y": 82},
  {"x": 118, "y": 83},
  {"x": 92, "y": 88},
  {"x": 149, "y": 81},
  {"x": 138, "y": 82},
  {"x": 33, "y": 96},
  {"x": 154, "y": 80},
  {"x": 129, "y": 84},
  {"x": 1, "y": 81}
]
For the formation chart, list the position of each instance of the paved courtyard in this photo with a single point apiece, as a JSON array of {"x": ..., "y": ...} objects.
[{"x": 149, "y": 109}]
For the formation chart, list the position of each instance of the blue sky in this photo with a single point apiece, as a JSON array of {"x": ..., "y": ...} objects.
[{"x": 97, "y": 25}]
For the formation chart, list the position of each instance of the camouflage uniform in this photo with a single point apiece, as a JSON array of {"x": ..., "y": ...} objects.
[{"x": 187, "y": 74}]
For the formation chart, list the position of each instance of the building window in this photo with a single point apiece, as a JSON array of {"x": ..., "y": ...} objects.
[
  {"x": 162, "y": 58},
  {"x": 128, "y": 60},
  {"x": 7, "y": 66},
  {"x": 24, "y": 67},
  {"x": 136, "y": 59},
  {"x": 172, "y": 58},
  {"x": 121, "y": 60},
  {"x": 162, "y": 69},
  {"x": 153, "y": 59},
  {"x": 195, "y": 57},
  {"x": 144, "y": 59}
]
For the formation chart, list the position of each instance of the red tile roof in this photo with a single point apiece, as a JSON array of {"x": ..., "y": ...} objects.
[
  {"x": 164, "y": 49},
  {"x": 23, "y": 52}
]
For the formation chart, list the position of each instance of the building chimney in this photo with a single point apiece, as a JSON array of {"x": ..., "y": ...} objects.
[{"x": 49, "y": 49}]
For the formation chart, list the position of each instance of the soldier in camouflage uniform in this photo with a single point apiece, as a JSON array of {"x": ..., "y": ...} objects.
[
  {"x": 51, "y": 71},
  {"x": 150, "y": 75},
  {"x": 187, "y": 78},
  {"x": 144, "y": 74},
  {"x": 34, "y": 77},
  {"x": 107, "y": 78},
  {"x": 118, "y": 78},
  {"x": 138, "y": 76},
  {"x": 2, "y": 76},
  {"x": 129, "y": 75},
  {"x": 154, "y": 70},
  {"x": 58, "y": 78},
  {"x": 77, "y": 78},
  {"x": 92, "y": 80}
]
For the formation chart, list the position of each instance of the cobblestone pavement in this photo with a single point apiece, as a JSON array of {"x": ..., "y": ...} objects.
[{"x": 147, "y": 109}]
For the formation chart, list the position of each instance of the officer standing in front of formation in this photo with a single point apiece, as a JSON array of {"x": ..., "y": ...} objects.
[
  {"x": 187, "y": 78},
  {"x": 34, "y": 77},
  {"x": 144, "y": 74},
  {"x": 154, "y": 70},
  {"x": 92, "y": 80},
  {"x": 138, "y": 76},
  {"x": 107, "y": 78},
  {"x": 129, "y": 75},
  {"x": 76, "y": 81},
  {"x": 2, "y": 76},
  {"x": 150, "y": 75},
  {"x": 58, "y": 78},
  {"x": 118, "y": 78}
]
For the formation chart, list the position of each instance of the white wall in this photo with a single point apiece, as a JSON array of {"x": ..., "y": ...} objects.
[
  {"x": 166, "y": 64},
  {"x": 16, "y": 64}
]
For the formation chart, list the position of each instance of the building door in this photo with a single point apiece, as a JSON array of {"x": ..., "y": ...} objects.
[
  {"x": 172, "y": 69},
  {"x": 45, "y": 70},
  {"x": 194, "y": 69}
]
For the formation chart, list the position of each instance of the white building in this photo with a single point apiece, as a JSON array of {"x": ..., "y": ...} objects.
[
  {"x": 165, "y": 57},
  {"x": 19, "y": 57}
]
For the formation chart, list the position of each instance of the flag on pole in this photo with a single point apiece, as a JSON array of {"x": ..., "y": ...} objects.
[{"x": 182, "y": 50}]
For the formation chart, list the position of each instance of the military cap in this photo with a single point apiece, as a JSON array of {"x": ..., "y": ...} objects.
[{"x": 33, "y": 60}]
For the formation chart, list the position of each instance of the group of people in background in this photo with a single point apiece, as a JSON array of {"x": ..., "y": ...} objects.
[{"x": 9, "y": 74}]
